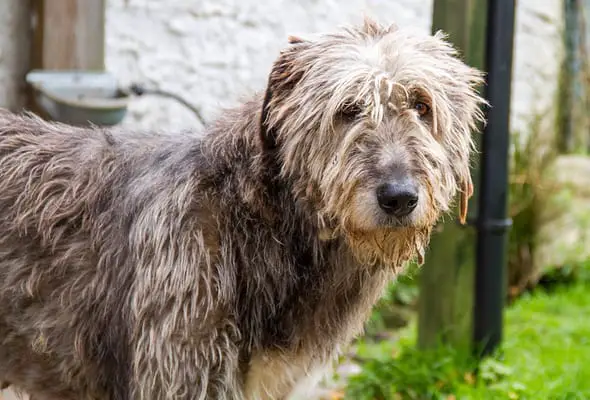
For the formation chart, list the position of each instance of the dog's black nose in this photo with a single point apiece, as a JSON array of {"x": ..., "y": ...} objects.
[{"x": 397, "y": 199}]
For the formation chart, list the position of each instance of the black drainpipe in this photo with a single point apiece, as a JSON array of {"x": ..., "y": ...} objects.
[{"x": 493, "y": 224}]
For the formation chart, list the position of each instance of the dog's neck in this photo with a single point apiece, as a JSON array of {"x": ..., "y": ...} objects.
[
  {"x": 315, "y": 268},
  {"x": 239, "y": 134}
]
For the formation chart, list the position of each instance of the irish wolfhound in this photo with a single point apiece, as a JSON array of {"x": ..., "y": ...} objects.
[{"x": 230, "y": 265}]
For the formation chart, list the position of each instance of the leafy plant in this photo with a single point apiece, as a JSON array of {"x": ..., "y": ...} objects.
[
  {"x": 395, "y": 308},
  {"x": 411, "y": 374},
  {"x": 543, "y": 356},
  {"x": 533, "y": 154}
]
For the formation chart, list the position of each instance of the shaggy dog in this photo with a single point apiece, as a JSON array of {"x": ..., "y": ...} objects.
[{"x": 230, "y": 265}]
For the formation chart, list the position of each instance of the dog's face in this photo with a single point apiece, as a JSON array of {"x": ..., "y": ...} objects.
[{"x": 376, "y": 122}]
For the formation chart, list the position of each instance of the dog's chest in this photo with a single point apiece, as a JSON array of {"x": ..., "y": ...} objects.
[
  {"x": 298, "y": 329},
  {"x": 278, "y": 376},
  {"x": 278, "y": 371}
]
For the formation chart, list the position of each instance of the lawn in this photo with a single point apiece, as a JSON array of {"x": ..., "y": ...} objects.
[
  {"x": 545, "y": 355},
  {"x": 548, "y": 343}
]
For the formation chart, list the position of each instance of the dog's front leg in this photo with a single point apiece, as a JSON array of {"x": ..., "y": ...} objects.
[
  {"x": 184, "y": 341},
  {"x": 175, "y": 364}
]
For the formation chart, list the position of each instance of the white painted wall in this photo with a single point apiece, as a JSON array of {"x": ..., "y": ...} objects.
[
  {"x": 537, "y": 58},
  {"x": 216, "y": 51}
]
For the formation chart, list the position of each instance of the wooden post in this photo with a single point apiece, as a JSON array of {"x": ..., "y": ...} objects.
[
  {"x": 447, "y": 278},
  {"x": 67, "y": 35}
]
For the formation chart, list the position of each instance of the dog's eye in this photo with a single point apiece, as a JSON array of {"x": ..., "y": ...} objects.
[
  {"x": 422, "y": 108},
  {"x": 350, "y": 112}
]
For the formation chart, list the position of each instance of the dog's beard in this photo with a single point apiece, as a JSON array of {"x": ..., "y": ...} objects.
[
  {"x": 388, "y": 248},
  {"x": 378, "y": 245}
]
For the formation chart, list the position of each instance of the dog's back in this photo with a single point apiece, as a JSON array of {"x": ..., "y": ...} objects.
[{"x": 68, "y": 198}]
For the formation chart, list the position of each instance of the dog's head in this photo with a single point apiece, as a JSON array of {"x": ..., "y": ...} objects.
[{"x": 373, "y": 127}]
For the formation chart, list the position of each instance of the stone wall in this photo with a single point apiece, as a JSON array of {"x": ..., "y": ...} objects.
[
  {"x": 214, "y": 52},
  {"x": 537, "y": 58}
]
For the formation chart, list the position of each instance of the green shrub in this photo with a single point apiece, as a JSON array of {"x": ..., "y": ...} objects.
[
  {"x": 533, "y": 154},
  {"x": 395, "y": 308},
  {"x": 440, "y": 373},
  {"x": 543, "y": 356}
]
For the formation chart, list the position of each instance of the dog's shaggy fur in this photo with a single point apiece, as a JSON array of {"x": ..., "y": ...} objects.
[{"x": 229, "y": 265}]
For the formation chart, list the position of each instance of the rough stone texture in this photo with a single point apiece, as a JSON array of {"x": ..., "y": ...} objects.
[
  {"x": 564, "y": 237},
  {"x": 14, "y": 51},
  {"x": 538, "y": 50},
  {"x": 214, "y": 52}
]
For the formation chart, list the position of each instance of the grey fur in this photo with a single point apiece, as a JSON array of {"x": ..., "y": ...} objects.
[{"x": 229, "y": 266}]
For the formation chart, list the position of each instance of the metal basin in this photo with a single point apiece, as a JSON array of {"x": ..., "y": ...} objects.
[{"x": 79, "y": 97}]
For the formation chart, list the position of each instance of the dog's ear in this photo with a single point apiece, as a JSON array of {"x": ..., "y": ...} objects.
[
  {"x": 295, "y": 40},
  {"x": 466, "y": 193},
  {"x": 286, "y": 72},
  {"x": 373, "y": 28}
]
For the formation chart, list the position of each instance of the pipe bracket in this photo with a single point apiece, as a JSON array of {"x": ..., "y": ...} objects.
[{"x": 490, "y": 225}]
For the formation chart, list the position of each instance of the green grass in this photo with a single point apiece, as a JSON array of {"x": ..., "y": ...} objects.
[
  {"x": 545, "y": 355},
  {"x": 547, "y": 342}
]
